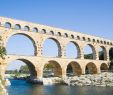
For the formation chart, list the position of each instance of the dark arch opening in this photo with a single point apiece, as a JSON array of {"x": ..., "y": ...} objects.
[
  {"x": 59, "y": 34},
  {"x": 52, "y": 69},
  {"x": 72, "y": 36},
  {"x": 35, "y": 29},
  {"x": 89, "y": 52},
  {"x": 102, "y": 53},
  {"x": 84, "y": 38},
  {"x": 73, "y": 69},
  {"x": 51, "y": 48},
  {"x": 94, "y": 40},
  {"x": 73, "y": 50},
  {"x": 43, "y": 31},
  {"x": 26, "y": 28},
  {"x": 21, "y": 44},
  {"x": 7, "y": 25},
  {"x": 21, "y": 66},
  {"x": 89, "y": 39},
  {"x": 91, "y": 68},
  {"x": 17, "y": 27},
  {"x": 78, "y": 37},
  {"x": 51, "y": 33},
  {"x": 65, "y": 35},
  {"x": 111, "y": 58},
  {"x": 103, "y": 67}
]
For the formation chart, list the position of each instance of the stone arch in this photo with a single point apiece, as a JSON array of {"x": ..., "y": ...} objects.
[
  {"x": 91, "y": 68},
  {"x": 73, "y": 69},
  {"x": 111, "y": 43},
  {"x": 94, "y": 40},
  {"x": 103, "y": 67},
  {"x": 111, "y": 58},
  {"x": 26, "y": 28},
  {"x": 97, "y": 41},
  {"x": 56, "y": 69},
  {"x": 31, "y": 67},
  {"x": 17, "y": 26},
  {"x": 104, "y": 42},
  {"x": 89, "y": 39},
  {"x": 101, "y": 42},
  {"x": 84, "y": 38},
  {"x": 65, "y": 35},
  {"x": 51, "y": 33},
  {"x": 35, "y": 29},
  {"x": 102, "y": 53},
  {"x": 76, "y": 47},
  {"x": 111, "y": 53},
  {"x": 72, "y": 36},
  {"x": 43, "y": 31},
  {"x": 56, "y": 42},
  {"x": 93, "y": 52},
  {"x": 7, "y": 25},
  {"x": 59, "y": 34},
  {"x": 26, "y": 35},
  {"x": 78, "y": 37}
]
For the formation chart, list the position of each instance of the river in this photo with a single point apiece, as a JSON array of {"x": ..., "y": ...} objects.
[{"x": 21, "y": 87}]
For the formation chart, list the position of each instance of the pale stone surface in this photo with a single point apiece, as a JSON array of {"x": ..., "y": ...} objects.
[
  {"x": 37, "y": 62},
  {"x": 103, "y": 79},
  {"x": 3, "y": 91}
]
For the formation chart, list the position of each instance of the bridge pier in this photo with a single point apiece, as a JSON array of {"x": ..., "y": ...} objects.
[{"x": 60, "y": 62}]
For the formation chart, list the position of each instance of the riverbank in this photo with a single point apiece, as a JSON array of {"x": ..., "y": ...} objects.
[{"x": 104, "y": 79}]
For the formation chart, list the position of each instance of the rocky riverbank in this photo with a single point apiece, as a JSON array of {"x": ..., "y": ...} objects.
[{"x": 103, "y": 79}]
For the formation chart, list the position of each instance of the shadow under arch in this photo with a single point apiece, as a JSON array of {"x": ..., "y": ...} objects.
[
  {"x": 31, "y": 67},
  {"x": 102, "y": 53},
  {"x": 91, "y": 68},
  {"x": 54, "y": 67},
  {"x": 57, "y": 43},
  {"x": 73, "y": 69},
  {"x": 27, "y": 36},
  {"x": 104, "y": 67}
]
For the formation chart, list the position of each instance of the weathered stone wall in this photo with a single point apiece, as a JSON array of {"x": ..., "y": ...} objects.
[{"x": 62, "y": 38}]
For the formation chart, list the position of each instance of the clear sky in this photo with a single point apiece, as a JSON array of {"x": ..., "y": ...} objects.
[{"x": 94, "y": 17}]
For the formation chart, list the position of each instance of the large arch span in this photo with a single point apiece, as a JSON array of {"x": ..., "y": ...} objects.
[
  {"x": 30, "y": 65},
  {"x": 39, "y": 34}
]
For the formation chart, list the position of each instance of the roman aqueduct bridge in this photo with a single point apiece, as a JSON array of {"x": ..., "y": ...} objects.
[{"x": 39, "y": 33}]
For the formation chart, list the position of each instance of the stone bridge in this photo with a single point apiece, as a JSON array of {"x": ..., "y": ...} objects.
[{"x": 39, "y": 33}]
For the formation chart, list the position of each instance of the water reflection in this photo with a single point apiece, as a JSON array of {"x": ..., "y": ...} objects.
[{"x": 20, "y": 87}]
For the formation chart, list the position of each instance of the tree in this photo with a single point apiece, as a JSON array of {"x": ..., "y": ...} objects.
[
  {"x": 24, "y": 69},
  {"x": 48, "y": 67},
  {"x": 2, "y": 49},
  {"x": 2, "y": 53}
]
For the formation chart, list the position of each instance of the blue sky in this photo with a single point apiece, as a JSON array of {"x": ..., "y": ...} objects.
[{"x": 94, "y": 17}]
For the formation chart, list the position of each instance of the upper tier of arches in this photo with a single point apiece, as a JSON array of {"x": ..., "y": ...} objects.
[{"x": 53, "y": 32}]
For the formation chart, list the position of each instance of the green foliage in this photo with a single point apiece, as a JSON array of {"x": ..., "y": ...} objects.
[
  {"x": 101, "y": 55},
  {"x": 24, "y": 69},
  {"x": 48, "y": 67},
  {"x": 2, "y": 51},
  {"x": 88, "y": 56}
]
